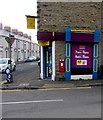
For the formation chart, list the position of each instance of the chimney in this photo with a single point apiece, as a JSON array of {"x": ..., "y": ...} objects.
[
  {"x": 25, "y": 35},
  {"x": 7, "y": 28},
  {"x": 1, "y": 26},
  {"x": 29, "y": 37},
  {"x": 15, "y": 31},
  {"x": 20, "y": 33}
]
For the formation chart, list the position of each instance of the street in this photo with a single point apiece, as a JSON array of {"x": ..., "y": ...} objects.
[
  {"x": 72, "y": 103},
  {"x": 48, "y": 103},
  {"x": 24, "y": 72}
]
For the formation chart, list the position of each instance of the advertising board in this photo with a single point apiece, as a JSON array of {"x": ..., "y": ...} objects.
[{"x": 82, "y": 55}]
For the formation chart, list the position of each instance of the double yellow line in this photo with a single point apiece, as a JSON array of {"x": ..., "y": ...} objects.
[
  {"x": 2, "y": 82},
  {"x": 43, "y": 89},
  {"x": 65, "y": 88}
]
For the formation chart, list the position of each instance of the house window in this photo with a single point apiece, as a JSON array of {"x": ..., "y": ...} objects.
[
  {"x": 0, "y": 54},
  {"x": 0, "y": 40},
  {"x": 18, "y": 44},
  {"x": 18, "y": 55}
]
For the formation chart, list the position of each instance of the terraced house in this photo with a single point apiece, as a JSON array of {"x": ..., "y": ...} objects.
[
  {"x": 70, "y": 36},
  {"x": 22, "y": 47}
]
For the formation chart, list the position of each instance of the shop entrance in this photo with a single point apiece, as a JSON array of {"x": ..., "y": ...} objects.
[
  {"x": 82, "y": 54},
  {"x": 48, "y": 62}
]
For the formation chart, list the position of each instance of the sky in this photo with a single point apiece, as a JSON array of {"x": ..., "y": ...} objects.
[{"x": 12, "y": 13}]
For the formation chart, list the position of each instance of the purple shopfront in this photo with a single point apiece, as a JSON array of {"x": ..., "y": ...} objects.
[{"x": 81, "y": 54}]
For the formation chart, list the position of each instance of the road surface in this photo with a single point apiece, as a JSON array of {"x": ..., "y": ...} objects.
[{"x": 70, "y": 103}]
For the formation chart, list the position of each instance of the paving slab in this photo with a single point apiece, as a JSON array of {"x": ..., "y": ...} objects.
[{"x": 64, "y": 85}]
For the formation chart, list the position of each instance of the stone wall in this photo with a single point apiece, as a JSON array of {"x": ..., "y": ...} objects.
[
  {"x": 60, "y": 54},
  {"x": 56, "y": 16}
]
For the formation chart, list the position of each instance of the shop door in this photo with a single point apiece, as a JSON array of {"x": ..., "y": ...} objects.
[{"x": 48, "y": 63}]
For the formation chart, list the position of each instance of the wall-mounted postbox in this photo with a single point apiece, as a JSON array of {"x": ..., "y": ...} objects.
[{"x": 61, "y": 65}]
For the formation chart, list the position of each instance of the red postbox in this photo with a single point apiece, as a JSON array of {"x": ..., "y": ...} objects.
[{"x": 61, "y": 65}]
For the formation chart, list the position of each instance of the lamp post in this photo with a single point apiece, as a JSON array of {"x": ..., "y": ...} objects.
[{"x": 10, "y": 41}]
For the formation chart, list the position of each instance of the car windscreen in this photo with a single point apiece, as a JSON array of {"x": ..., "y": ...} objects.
[
  {"x": 31, "y": 57},
  {"x": 3, "y": 61}
]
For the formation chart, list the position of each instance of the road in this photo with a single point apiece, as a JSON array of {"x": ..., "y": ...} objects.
[
  {"x": 72, "y": 103},
  {"x": 25, "y": 72}
]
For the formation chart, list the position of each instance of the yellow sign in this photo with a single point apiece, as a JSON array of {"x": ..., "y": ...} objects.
[
  {"x": 30, "y": 23},
  {"x": 83, "y": 30},
  {"x": 81, "y": 62},
  {"x": 44, "y": 43}
]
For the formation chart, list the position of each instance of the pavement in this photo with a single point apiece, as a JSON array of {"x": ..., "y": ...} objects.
[
  {"x": 38, "y": 83},
  {"x": 44, "y": 84}
]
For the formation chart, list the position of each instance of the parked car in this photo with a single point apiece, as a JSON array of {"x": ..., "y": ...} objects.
[
  {"x": 38, "y": 62},
  {"x": 37, "y": 58},
  {"x": 30, "y": 59},
  {"x": 5, "y": 62}
]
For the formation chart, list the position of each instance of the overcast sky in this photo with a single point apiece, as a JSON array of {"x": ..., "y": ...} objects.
[{"x": 12, "y": 13}]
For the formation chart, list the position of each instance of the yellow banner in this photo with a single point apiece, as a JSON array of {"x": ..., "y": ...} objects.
[
  {"x": 30, "y": 23},
  {"x": 44, "y": 43},
  {"x": 83, "y": 30}
]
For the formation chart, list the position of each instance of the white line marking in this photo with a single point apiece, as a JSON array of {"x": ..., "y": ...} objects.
[{"x": 23, "y": 102}]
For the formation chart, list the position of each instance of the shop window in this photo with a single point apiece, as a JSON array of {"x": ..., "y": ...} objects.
[
  {"x": 67, "y": 50},
  {"x": 95, "y": 50},
  {"x": 81, "y": 71},
  {"x": 68, "y": 65},
  {"x": 95, "y": 65}
]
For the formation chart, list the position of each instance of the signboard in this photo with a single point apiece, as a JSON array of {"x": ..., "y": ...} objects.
[
  {"x": 10, "y": 40},
  {"x": 81, "y": 55},
  {"x": 44, "y": 43},
  {"x": 81, "y": 62},
  {"x": 83, "y": 30},
  {"x": 30, "y": 23}
]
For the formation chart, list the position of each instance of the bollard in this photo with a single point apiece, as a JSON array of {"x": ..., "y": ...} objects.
[{"x": 9, "y": 75}]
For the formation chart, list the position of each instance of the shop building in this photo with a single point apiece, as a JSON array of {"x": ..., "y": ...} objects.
[{"x": 71, "y": 41}]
